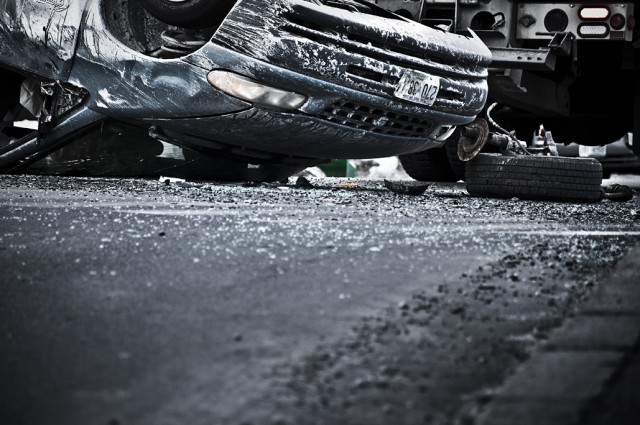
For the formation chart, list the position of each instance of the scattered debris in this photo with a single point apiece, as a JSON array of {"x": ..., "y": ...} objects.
[
  {"x": 303, "y": 183},
  {"x": 617, "y": 193},
  {"x": 169, "y": 180},
  {"x": 407, "y": 187}
]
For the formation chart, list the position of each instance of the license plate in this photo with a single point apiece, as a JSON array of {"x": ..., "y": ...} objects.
[
  {"x": 418, "y": 87},
  {"x": 592, "y": 151}
]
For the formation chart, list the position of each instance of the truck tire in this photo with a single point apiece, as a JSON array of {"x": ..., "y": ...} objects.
[
  {"x": 189, "y": 13},
  {"x": 431, "y": 166},
  {"x": 457, "y": 166},
  {"x": 535, "y": 177}
]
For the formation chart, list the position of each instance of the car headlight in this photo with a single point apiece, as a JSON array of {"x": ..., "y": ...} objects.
[{"x": 254, "y": 92}]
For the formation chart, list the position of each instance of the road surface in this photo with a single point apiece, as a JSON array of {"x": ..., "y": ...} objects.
[{"x": 129, "y": 301}]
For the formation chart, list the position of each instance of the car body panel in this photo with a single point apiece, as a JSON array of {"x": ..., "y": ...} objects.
[
  {"x": 40, "y": 36},
  {"x": 358, "y": 50},
  {"x": 129, "y": 84},
  {"x": 346, "y": 114}
]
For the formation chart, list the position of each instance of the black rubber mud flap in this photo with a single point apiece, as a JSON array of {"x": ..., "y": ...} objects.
[
  {"x": 430, "y": 166},
  {"x": 535, "y": 177}
]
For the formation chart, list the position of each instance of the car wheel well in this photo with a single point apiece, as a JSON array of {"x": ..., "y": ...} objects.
[{"x": 135, "y": 27}]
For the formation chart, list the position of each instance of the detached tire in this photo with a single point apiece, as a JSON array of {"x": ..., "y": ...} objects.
[
  {"x": 535, "y": 177},
  {"x": 189, "y": 13}
]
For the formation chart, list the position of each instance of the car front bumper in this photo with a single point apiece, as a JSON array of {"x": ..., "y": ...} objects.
[
  {"x": 335, "y": 122},
  {"x": 348, "y": 64}
]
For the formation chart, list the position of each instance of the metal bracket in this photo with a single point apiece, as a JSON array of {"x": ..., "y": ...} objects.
[
  {"x": 62, "y": 116},
  {"x": 58, "y": 99},
  {"x": 530, "y": 59},
  {"x": 562, "y": 44},
  {"x": 33, "y": 147}
]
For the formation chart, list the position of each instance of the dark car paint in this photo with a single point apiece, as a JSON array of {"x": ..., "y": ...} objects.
[{"x": 72, "y": 42}]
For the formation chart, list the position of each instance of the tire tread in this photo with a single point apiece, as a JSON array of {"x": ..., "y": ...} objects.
[{"x": 535, "y": 177}]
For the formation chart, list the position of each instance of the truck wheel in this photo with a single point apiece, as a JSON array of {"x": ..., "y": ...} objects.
[
  {"x": 189, "y": 13},
  {"x": 431, "y": 166},
  {"x": 436, "y": 165},
  {"x": 451, "y": 148},
  {"x": 535, "y": 177}
]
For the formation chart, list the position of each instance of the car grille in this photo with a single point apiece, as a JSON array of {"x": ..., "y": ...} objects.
[
  {"x": 392, "y": 58},
  {"x": 377, "y": 120},
  {"x": 365, "y": 42},
  {"x": 369, "y": 55}
]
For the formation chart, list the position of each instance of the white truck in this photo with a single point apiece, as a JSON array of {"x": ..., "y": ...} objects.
[{"x": 570, "y": 66}]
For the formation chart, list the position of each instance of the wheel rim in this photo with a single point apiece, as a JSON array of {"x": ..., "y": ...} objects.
[{"x": 471, "y": 143}]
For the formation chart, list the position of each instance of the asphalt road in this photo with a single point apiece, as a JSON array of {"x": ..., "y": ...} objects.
[{"x": 128, "y": 301}]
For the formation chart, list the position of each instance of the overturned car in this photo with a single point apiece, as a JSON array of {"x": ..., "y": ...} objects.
[{"x": 262, "y": 89}]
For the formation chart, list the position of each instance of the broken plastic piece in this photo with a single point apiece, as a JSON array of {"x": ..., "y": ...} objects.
[
  {"x": 407, "y": 188},
  {"x": 303, "y": 183},
  {"x": 169, "y": 180}
]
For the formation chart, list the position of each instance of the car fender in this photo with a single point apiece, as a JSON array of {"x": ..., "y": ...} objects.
[
  {"x": 124, "y": 83},
  {"x": 39, "y": 37}
]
